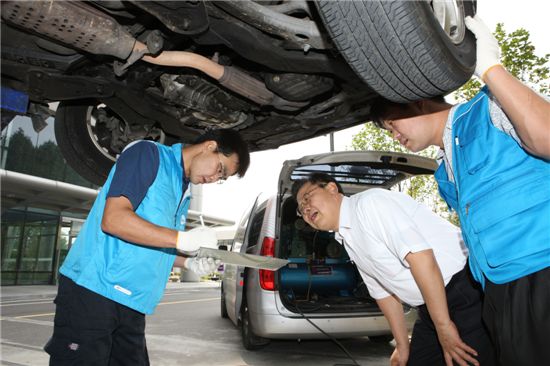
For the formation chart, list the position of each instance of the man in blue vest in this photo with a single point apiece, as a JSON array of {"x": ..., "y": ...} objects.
[
  {"x": 495, "y": 173},
  {"x": 117, "y": 269}
]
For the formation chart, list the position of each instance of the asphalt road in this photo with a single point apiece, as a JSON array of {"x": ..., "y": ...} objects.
[{"x": 185, "y": 330}]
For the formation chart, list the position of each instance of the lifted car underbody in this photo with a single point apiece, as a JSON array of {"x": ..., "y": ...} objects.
[{"x": 277, "y": 71}]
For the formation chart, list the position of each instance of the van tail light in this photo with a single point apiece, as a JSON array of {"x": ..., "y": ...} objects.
[{"x": 267, "y": 277}]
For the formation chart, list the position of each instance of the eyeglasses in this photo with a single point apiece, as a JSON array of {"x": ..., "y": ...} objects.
[
  {"x": 222, "y": 171},
  {"x": 305, "y": 199}
]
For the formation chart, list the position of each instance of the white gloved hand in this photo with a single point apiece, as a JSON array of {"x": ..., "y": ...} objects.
[
  {"x": 190, "y": 241},
  {"x": 488, "y": 50},
  {"x": 202, "y": 266}
]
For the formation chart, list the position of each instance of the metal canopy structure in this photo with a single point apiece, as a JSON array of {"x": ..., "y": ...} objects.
[{"x": 23, "y": 190}]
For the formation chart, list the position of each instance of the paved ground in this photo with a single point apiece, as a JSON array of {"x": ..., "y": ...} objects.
[
  {"x": 8, "y": 293},
  {"x": 185, "y": 330}
]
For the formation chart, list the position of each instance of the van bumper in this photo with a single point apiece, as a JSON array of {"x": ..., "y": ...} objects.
[{"x": 281, "y": 327}]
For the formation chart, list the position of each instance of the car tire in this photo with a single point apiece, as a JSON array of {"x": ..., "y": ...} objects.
[
  {"x": 87, "y": 147},
  {"x": 250, "y": 340},
  {"x": 223, "y": 306},
  {"x": 76, "y": 145},
  {"x": 399, "y": 48}
]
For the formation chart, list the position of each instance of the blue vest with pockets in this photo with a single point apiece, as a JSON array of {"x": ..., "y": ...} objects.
[
  {"x": 501, "y": 194},
  {"x": 130, "y": 274}
]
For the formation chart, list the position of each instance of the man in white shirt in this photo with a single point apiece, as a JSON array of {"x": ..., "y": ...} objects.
[{"x": 405, "y": 253}]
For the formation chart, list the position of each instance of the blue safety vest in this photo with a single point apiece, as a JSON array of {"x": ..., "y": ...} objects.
[
  {"x": 130, "y": 274},
  {"x": 501, "y": 194}
]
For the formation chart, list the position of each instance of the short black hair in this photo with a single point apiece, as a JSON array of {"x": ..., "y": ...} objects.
[
  {"x": 229, "y": 142},
  {"x": 382, "y": 109},
  {"x": 318, "y": 179}
]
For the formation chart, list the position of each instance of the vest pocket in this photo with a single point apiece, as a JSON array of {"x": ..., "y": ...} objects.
[
  {"x": 474, "y": 152},
  {"x": 510, "y": 221}
]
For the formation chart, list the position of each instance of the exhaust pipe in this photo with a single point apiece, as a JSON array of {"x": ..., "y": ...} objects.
[
  {"x": 74, "y": 23},
  {"x": 84, "y": 27},
  {"x": 230, "y": 77}
]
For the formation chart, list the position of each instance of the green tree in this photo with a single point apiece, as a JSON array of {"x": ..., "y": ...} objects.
[
  {"x": 373, "y": 138},
  {"x": 48, "y": 162},
  {"x": 519, "y": 58},
  {"x": 20, "y": 153},
  {"x": 422, "y": 188}
]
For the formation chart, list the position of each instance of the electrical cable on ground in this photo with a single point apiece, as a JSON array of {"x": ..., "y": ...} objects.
[{"x": 340, "y": 345}]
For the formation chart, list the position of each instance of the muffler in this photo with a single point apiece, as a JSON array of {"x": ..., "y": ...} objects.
[
  {"x": 230, "y": 77},
  {"x": 74, "y": 23}
]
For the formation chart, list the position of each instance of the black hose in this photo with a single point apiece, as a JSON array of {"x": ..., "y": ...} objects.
[{"x": 340, "y": 345}]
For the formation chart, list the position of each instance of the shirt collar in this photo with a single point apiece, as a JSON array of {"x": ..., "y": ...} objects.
[
  {"x": 345, "y": 213},
  {"x": 447, "y": 137},
  {"x": 344, "y": 221},
  {"x": 445, "y": 155}
]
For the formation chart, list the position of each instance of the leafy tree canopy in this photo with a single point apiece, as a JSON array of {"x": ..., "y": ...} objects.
[{"x": 519, "y": 58}]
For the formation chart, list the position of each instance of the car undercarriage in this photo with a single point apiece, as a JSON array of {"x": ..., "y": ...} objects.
[{"x": 277, "y": 71}]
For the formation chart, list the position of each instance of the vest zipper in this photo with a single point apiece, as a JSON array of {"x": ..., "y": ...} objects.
[
  {"x": 453, "y": 169},
  {"x": 467, "y": 207},
  {"x": 183, "y": 190},
  {"x": 177, "y": 210}
]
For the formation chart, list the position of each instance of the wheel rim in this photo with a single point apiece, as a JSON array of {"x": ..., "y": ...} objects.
[
  {"x": 450, "y": 15},
  {"x": 109, "y": 144}
]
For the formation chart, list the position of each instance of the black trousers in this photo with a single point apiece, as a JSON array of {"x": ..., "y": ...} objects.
[
  {"x": 90, "y": 329},
  {"x": 517, "y": 315},
  {"x": 464, "y": 298}
]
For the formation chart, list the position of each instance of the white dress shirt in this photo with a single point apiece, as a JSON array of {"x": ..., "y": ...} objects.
[{"x": 380, "y": 227}]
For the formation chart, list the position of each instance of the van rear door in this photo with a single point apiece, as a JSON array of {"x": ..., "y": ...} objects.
[
  {"x": 232, "y": 276},
  {"x": 356, "y": 170}
]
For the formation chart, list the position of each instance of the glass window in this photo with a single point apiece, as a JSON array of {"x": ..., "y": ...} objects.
[
  {"x": 45, "y": 253},
  {"x": 8, "y": 278},
  {"x": 10, "y": 251},
  {"x": 26, "y": 151},
  {"x": 25, "y": 278},
  {"x": 354, "y": 173},
  {"x": 13, "y": 231},
  {"x": 42, "y": 278},
  {"x": 28, "y": 247},
  {"x": 369, "y": 174},
  {"x": 255, "y": 228},
  {"x": 49, "y": 227}
]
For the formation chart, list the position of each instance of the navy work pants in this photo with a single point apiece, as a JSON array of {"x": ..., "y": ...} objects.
[
  {"x": 90, "y": 329},
  {"x": 464, "y": 299},
  {"x": 517, "y": 315}
]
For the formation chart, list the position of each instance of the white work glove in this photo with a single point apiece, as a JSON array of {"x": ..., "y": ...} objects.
[
  {"x": 202, "y": 266},
  {"x": 488, "y": 50},
  {"x": 190, "y": 241}
]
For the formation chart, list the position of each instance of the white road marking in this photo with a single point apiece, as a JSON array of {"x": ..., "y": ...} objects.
[
  {"x": 28, "y": 321},
  {"x": 188, "y": 301},
  {"x": 27, "y": 303}
]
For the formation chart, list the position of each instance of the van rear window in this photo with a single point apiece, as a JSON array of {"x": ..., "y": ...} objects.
[{"x": 350, "y": 173}]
